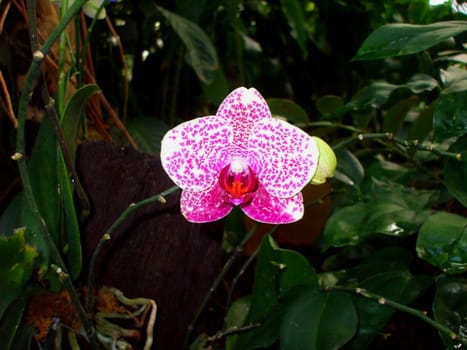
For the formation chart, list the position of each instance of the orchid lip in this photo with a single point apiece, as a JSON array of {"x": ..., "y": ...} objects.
[{"x": 239, "y": 182}]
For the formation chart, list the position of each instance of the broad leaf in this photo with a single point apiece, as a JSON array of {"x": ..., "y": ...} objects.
[
  {"x": 318, "y": 320},
  {"x": 442, "y": 241},
  {"x": 201, "y": 54},
  {"x": 404, "y": 39},
  {"x": 455, "y": 171},
  {"x": 236, "y": 317},
  {"x": 349, "y": 169}
]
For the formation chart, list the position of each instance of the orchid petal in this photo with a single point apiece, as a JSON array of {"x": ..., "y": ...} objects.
[
  {"x": 243, "y": 108},
  {"x": 205, "y": 206},
  {"x": 194, "y": 152},
  {"x": 273, "y": 210},
  {"x": 284, "y": 157}
]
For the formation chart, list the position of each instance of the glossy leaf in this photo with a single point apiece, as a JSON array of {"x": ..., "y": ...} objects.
[
  {"x": 442, "y": 241},
  {"x": 455, "y": 171},
  {"x": 450, "y": 115},
  {"x": 201, "y": 54},
  {"x": 318, "y": 320},
  {"x": 16, "y": 265},
  {"x": 391, "y": 209},
  {"x": 147, "y": 133},
  {"x": 349, "y": 169},
  {"x": 73, "y": 115},
  {"x": 403, "y": 39},
  {"x": 450, "y": 309},
  {"x": 288, "y": 110}
]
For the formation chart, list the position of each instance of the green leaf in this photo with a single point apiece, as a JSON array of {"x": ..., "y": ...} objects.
[
  {"x": 395, "y": 116},
  {"x": 277, "y": 272},
  {"x": 201, "y": 54},
  {"x": 349, "y": 170},
  {"x": 455, "y": 171},
  {"x": 73, "y": 115},
  {"x": 70, "y": 226},
  {"x": 442, "y": 241},
  {"x": 318, "y": 320},
  {"x": 11, "y": 322},
  {"x": 450, "y": 115},
  {"x": 147, "y": 133},
  {"x": 450, "y": 309},
  {"x": 404, "y": 39},
  {"x": 288, "y": 110},
  {"x": 293, "y": 11},
  {"x": 331, "y": 106},
  {"x": 16, "y": 265},
  {"x": 377, "y": 94},
  {"x": 236, "y": 317},
  {"x": 391, "y": 209},
  {"x": 43, "y": 172}
]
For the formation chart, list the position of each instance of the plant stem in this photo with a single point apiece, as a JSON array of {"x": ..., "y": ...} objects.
[
  {"x": 238, "y": 250},
  {"x": 32, "y": 74},
  {"x": 108, "y": 235},
  {"x": 395, "y": 305},
  {"x": 420, "y": 146}
]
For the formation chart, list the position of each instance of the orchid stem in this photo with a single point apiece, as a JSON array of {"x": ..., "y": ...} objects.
[
  {"x": 387, "y": 136},
  {"x": 108, "y": 235},
  {"x": 395, "y": 305},
  {"x": 238, "y": 250}
]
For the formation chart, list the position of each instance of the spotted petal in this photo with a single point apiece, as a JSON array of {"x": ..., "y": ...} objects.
[
  {"x": 194, "y": 152},
  {"x": 243, "y": 108},
  {"x": 273, "y": 210},
  {"x": 205, "y": 206},
  {"x": 283, "y": 157}
]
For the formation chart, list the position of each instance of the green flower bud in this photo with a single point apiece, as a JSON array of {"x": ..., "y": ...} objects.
[{"x": 326, "y": 162}]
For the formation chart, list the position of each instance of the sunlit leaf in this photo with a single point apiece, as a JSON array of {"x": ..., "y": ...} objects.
[
  {"x": 442, "y": 241},
  {"x": 201, "y": 54},
  {"x": 455, "y": 171},
  {"x": 16, "y": 265},
  {"x": 403, "y": 39},
  {"x": 318, "y": 320}
]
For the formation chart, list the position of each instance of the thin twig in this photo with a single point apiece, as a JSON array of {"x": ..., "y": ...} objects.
[
  {"x": 108, "y": 235},
  {"x": 395, "y": 305}
]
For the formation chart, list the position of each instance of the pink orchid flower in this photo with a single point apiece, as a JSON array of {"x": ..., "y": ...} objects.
[{"x": 241, "y": 156}]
